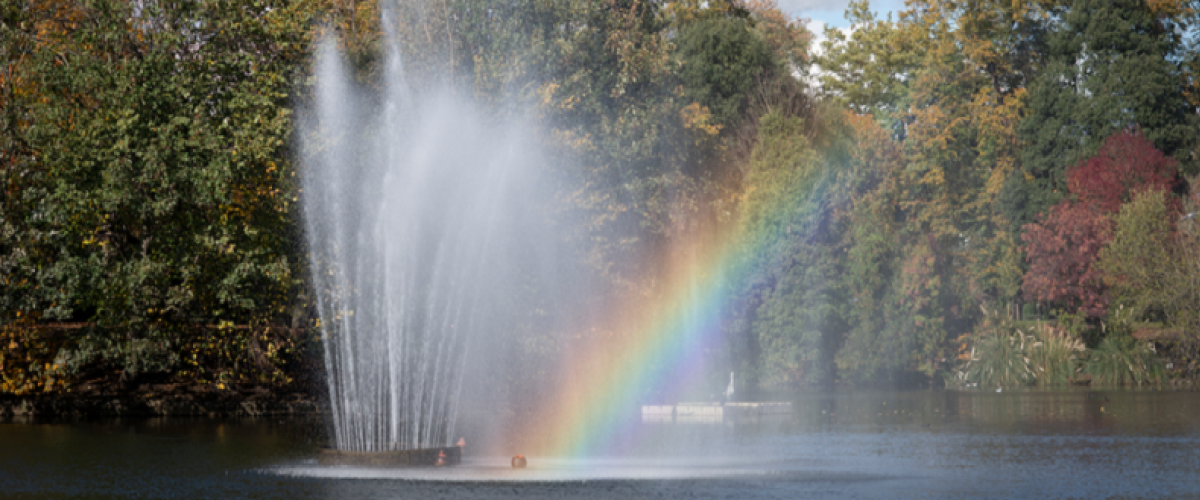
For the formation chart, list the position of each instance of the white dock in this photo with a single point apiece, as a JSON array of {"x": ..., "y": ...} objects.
[{"x": 714, "y": 412}]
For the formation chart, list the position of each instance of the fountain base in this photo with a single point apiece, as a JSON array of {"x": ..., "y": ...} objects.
[{"x": 426, "y": 457}]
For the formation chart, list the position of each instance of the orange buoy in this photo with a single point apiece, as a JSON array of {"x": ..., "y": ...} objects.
[
  {"x": 518, "y": 461},
  {"x": 441, "y": 459}
]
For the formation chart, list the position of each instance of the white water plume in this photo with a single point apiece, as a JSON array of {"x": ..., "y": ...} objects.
[{"x": 422, "y": 217}]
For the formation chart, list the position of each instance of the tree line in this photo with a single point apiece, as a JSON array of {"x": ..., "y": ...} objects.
[{"x": 900, "y": 197}]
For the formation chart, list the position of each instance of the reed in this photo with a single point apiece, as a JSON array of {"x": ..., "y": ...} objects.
[{"x": 1056, "y": 356}]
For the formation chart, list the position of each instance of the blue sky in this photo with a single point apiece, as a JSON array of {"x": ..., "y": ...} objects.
[{"x": 830, "y": 12}]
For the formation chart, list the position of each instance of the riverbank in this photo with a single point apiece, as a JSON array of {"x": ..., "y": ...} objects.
[{"x": 179, "y": 404}]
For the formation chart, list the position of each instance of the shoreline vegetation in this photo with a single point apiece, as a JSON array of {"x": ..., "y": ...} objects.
[
  {"x": 149, "y": 403},
  {"x": 989, "y": 193}
]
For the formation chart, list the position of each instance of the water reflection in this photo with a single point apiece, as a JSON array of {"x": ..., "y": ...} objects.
[{"x": 1143, "y": 412}]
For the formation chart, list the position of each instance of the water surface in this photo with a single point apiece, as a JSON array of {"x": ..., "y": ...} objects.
[{"x": 849, "y": 444}]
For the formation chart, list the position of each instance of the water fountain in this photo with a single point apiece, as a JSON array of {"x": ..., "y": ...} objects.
[
  {"x": 421, "y": 217},
  {"x": 425, "y": 223}
]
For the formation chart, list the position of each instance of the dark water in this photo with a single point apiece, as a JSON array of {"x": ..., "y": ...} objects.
[{"x": 1078, "y": 444}]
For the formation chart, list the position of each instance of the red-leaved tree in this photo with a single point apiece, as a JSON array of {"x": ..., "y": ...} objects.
[
  {"x": 1126, "y": 164},
  {"x": 1062, "y": 248}
]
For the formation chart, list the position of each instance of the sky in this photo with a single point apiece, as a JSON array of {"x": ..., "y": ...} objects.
[
  {"x": 822, "y": 13},
  {"x": 831, "y": 12}
]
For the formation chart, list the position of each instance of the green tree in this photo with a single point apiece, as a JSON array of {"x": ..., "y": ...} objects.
[
  {"x": 722, "y": 59},
  {"x": 1138, "y": 263},
  {"x": 1152, "y": 263},
  {"x": 869, "y": 71},
  {"x": 878, "y": 346},
  {"x": 150, "y": 193},
  {"x": 792, "y": 296},
  {"x": 785, "y": 34}
]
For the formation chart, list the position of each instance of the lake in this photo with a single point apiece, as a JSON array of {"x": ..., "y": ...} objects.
[{"x": 843, "y": 444}]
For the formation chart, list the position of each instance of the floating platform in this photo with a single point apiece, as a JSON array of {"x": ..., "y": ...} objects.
[
  {"x": 426, "y": 457},
  {"x": 715, "y": 412}
]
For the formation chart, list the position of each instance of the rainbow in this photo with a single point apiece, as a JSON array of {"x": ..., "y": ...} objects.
[{"x": 656, "y": 349}]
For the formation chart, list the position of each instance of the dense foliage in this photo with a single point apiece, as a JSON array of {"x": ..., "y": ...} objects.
[
  {"x": 1025, "y": 158},
  {"x": 1108, "y": 67},
  {"x": 148, "y": 197}
]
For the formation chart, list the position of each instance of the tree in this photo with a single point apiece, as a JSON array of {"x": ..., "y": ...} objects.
[
  {"x": 1065, "y": 247},
  {"x": 947, "y": 78},
  {"x": 879, "y": 345},
  {"x": 869, "y": 70},
  {"x": 793, "y": 305},
  {"x": 151, "y": 193},
  {"x": 787, "y": 36},
  {"x": 722, "y": 58},
  {"x": 1110, "y": 66},
  {"x": 1153, "y": 262},
  {"x": 1126, "y": 164},
  {"x": 1062, "y": 250},
  {"x": 1140, "y": 264}
]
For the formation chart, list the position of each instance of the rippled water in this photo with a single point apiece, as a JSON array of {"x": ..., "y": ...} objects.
[{"x": 1082, "y": 444}]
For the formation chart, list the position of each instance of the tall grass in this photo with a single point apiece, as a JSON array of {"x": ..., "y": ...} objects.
[
  {"x": 1122, "y": 360},
  {"x": 1003, "y": 354},
  {"x": 1000, "y": 359},
  {"x": 1056, "y": 356}
]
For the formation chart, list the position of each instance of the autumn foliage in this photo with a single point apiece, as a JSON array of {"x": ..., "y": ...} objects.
[
  {"x": 1126, "y": 164},
  {"x": 1064, "y": 247},
  {"x": 1062, "y": 251}
]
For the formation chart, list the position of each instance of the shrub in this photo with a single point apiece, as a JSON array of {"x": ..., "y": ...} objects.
[
  {"x": 1122, "y": 360},
  {"x": 998, "y": 355},
  {"x": 1056, "y": 355},
  {"x": 1003, "y": 354},
  {"x": 1001, "y": 360}
]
